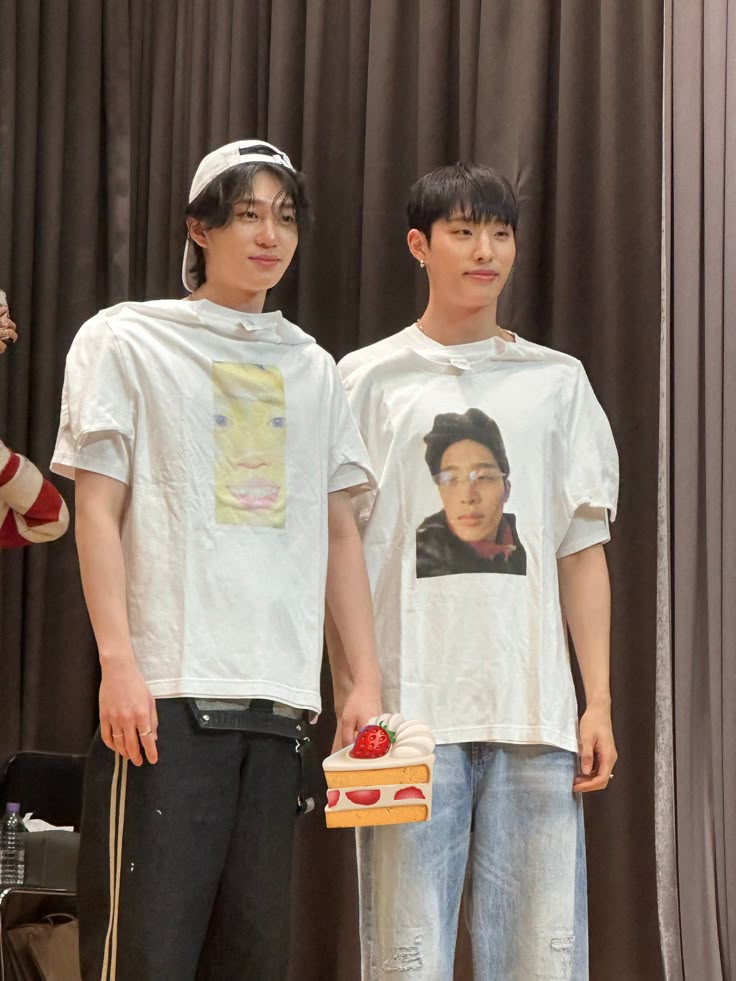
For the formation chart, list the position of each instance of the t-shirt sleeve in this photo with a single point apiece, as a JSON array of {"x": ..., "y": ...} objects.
[
  {"x": 96, "y": 426},
  {"x": 591, "y": 476},
  {"x": 349, "y": 466},
  {"x": 588, "y": 527}
]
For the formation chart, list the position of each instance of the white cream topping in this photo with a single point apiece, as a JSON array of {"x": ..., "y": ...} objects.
[{"x": 413, "y": 746}]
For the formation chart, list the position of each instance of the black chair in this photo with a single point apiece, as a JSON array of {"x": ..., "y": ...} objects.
[{"x": 49, "y": 785}]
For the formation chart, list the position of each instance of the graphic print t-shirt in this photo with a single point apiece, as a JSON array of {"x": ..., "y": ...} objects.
[
  {"x": 230, "y": 430},
  {"x": 463, "y": 556}
]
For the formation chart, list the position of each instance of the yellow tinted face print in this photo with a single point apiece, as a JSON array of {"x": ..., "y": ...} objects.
[{"x": 249, "y": 429}]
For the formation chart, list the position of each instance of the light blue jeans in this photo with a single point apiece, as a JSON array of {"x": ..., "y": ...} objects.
[{"x": 505, "y": 816}]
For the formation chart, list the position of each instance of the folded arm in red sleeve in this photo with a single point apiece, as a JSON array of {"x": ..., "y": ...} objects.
[{"x": 31, "y": 509}]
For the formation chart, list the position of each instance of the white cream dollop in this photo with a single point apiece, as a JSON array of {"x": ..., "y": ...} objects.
[
  {"x": 387, "y": 720},
  {"x": 413, "y": 739}
]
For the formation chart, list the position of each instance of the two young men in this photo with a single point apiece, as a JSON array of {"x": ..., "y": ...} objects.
[
  {"x": 472, "y": 605},
  {"x": 214, "y": 456}
]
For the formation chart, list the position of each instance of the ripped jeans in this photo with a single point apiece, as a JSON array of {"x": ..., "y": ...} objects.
[{"x": 504, "y": 816}]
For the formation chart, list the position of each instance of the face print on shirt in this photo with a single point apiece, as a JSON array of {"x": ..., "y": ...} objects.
[
  {"x": 472, "y": 532},
  {"x": 249, "y": 432}
]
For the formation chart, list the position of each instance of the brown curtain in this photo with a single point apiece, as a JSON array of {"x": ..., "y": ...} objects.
[
  {"x": 107, "y": 105},
  {"x": 697, "y": 854}
]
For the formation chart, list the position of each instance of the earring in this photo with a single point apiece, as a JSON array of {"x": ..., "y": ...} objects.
[{"x": 421, "y": 263}]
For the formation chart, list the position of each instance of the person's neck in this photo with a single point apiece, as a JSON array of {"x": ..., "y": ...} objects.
[
  {"x": 228, "y": 296},
  {"x": 450, "y": 326}
]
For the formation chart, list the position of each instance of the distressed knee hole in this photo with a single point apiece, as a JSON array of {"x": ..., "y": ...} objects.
[
  {"x": 404, "y": 958},
  {"x": 563, "y": 943}
]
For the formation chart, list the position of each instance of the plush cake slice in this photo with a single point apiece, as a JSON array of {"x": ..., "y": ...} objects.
[{"x": 384, "y": 777}]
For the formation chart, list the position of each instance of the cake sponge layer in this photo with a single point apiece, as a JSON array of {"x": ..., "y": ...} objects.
[
  {"x": 336, "y": 779},
  {"x": 377, "y": 816}
]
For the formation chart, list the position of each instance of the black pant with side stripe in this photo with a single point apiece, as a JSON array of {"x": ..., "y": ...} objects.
[{"x": 185, "y": 866}]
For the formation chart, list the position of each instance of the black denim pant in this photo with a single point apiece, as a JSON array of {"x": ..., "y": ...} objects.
[{"x": 185, "y": 866}]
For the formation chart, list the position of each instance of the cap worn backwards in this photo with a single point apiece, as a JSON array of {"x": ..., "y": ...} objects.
[{"x": 216, "y": 163}]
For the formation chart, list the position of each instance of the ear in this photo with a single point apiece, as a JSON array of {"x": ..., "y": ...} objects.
[
  {"x": 507, "y": 490},
  {"x": 418, "y": 244},
  {"x": 197, "y": 231}
]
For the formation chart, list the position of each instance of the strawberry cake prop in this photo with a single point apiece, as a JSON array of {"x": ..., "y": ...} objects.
[{"x": 384, "y": 777}]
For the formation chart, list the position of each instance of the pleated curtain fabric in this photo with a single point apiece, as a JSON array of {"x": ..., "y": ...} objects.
[
  {"x": 664, "y": 766},
  {"x": 696, "y": 803},
  {"x": 107, "y": 106}
]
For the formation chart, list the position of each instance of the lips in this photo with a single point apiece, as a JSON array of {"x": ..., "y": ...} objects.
[
  {"x": 267, "y": 261},
  {"x": 483, "y": 275},
  {"x": 255, "y": 495}
]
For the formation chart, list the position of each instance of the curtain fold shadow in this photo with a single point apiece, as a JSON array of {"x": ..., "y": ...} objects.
[{"x": 700, "y": 878}]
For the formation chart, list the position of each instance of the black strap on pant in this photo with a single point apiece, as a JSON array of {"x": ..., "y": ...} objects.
[{"x": 262, "y": 720}]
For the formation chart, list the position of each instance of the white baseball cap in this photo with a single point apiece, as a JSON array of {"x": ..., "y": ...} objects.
[{"x": 216, "y": 163}]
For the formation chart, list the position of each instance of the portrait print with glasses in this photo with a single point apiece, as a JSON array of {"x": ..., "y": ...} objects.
[{"x": 467, "y": 461}]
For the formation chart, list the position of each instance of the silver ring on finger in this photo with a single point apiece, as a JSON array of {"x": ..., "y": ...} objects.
[
  {"x": 146, "y": 733},
  {"x": 118, "y": 735}
]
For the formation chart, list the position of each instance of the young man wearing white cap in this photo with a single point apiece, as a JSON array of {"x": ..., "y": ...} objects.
[{"x": 214, "y": 457}]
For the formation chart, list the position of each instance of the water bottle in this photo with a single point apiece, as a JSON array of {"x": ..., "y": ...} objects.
[{"x": 12, "y": 847}]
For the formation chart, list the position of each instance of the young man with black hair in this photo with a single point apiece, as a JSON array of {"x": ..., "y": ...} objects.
[
  {"x": 214, "y": 456},
  {"x": 476, "y": 645}
]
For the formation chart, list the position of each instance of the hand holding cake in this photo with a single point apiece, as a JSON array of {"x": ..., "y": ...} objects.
[{"x": 384, "y": 777}]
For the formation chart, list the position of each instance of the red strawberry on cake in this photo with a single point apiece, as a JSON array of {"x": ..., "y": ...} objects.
[
  {"x": 385, "y": 777},
  {"x": 372, "y": 742}
]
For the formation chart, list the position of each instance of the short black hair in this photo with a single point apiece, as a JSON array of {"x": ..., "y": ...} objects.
[
  {"x": 214, "y": 205},
  {"x": 473, "y": 191},
  {"x": 452, "y": 427}
]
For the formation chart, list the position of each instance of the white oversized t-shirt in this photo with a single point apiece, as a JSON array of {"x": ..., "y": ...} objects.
[
  {"x": 475, "y": 645},
  {"x": 230, "y": 430}
]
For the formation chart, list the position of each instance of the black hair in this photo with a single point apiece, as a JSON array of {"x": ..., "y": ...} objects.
[
  {"x": 214, "y": 205},
  {"x": 473, "y": 191},
  {"x": 451, "y": 427}
]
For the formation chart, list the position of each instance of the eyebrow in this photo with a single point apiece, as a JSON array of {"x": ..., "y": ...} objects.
[
  {"x": 249, "y": 202},
  {"x": 469, "y": 220},
  {"x": 475, "y": 466}
]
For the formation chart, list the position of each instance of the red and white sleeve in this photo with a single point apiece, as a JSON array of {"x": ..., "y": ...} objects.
[{"x": 31, "y": 509}]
